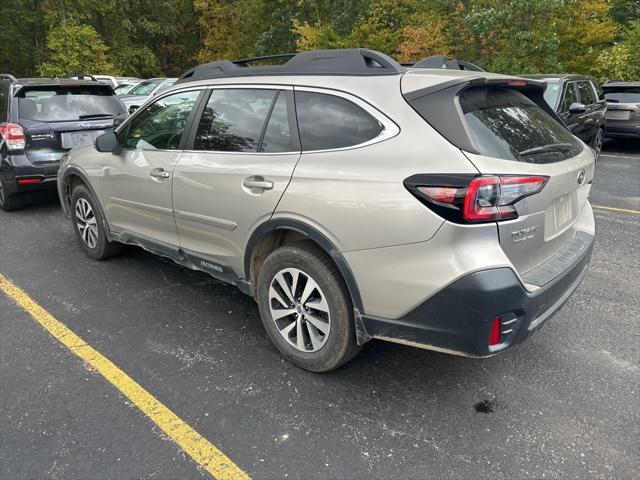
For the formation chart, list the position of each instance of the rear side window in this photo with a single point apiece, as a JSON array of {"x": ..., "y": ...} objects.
[
  {"x": 586, "y": 93},
  {"x": 570, "y": 96},
  {"x": 233, "y": 120},
  {"x": 504, "y": 123},
  {"x": 622, "y": 94},
  {"x": 68, "y": 103},
  {"x": 327, "y": 121},
  {"x": 277, "y": 136}
]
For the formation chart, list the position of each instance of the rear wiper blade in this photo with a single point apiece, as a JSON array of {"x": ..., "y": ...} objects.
[
  {"x": 552, "y": 147},
  {"x": 95, "y": 115}
]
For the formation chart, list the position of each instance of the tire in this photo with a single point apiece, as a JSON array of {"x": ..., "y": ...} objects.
[
  {"x": 12, "y": 202},
  {"x": 597, "y": 142},
  {"x": 88, "y": 226},
  {"x": 326, "y": 305}
]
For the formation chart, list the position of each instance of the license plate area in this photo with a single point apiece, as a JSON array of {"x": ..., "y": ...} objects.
[
  {"x": 76, "y": 139},
  {"x": 561, "y": 214},
  {"x": 618, "y": 114}
]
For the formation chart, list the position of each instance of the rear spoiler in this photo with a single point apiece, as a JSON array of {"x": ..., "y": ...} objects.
[{"x": 443, "y": 114}]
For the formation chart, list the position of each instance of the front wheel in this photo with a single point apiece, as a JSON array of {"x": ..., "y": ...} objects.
[
  {"x": 598, "y": 140},
  {"x": 306, "y": 309},
  {"x": 89, "y": 226}
]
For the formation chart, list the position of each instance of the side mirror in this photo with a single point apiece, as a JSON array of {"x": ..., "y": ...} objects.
[
  {"x": 577, "y": 108},
  {"x": 108, "y": 142}
]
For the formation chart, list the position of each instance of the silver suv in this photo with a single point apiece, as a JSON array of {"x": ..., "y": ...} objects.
[{"x": 353, "y": 198}]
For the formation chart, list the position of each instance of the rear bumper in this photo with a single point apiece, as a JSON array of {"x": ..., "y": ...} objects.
[
  {"x": 623, "y": 131},
  {"x": 17, "y": 167},
  {"x": 458, "y": 318}
]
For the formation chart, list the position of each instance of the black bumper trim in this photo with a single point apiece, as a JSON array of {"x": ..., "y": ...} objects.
[{"x": 458, "y": 318}]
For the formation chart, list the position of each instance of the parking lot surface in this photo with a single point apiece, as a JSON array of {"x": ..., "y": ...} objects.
[{"x": 562, "y": 405}]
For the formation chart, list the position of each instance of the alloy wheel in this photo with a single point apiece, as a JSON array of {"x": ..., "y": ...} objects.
[
  {"x": 299, "y": 310},
  {"x": 597, "y": 143},
  {"x": 87, "y": 224}
]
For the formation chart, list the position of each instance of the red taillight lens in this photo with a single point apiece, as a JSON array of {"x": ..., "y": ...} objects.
[
  {"x": 28, "y": 181},
  {"x": 13, "y": 135},
  {"x": 495, "y": 333},
  {"x": 477, "y": 199}
]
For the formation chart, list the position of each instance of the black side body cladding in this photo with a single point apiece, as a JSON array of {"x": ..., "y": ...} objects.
[{"x": 308, "y": 231}]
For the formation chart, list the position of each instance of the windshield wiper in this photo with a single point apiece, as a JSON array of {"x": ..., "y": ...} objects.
[
  {"x": 94, "y": 115},
  {"x": 552, "y": 147}
]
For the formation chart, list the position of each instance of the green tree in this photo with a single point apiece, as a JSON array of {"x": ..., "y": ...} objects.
[{"x": 73, "y": 48}]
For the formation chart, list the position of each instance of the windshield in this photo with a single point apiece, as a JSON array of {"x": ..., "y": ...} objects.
[
  {"x": 504, "y": 123},
  {"x": 552, "y": 93},
  {"x": 622, "y": 94},
  {"x": 145, "y": 88},
  {"x": 68, "y": 103}
]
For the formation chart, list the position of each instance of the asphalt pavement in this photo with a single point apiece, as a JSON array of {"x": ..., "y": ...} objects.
[{"x": 565, "y": 404}]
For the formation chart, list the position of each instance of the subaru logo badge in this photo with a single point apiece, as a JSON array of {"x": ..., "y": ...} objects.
[
  {"x": 84, "y": 125},
  {"x": 581, "y": 176}
]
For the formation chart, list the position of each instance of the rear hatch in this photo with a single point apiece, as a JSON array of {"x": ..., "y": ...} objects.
[
  {"x": 539, "y": 173},
  {"x": 56, "y": 118},
  {"x": 623, "y": 104}
]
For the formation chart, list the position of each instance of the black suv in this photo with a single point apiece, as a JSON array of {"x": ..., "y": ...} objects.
[
  {"x": 580, "y": 103},
  {"x": 40, "y": 120}
]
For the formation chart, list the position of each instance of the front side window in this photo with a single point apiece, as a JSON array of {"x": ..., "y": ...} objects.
[
  {"x": 233, "y": 120},
  {"x": 570, "y": 96},
  {"x": 161, "y": 124},
  {"x": 586, "y": 93},
  {"x": 327, "y": 122},
  {"x": 506, "y": 124}
]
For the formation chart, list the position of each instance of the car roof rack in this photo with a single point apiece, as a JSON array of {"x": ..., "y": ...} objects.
[
  {"x": 8, "y": 76},
  {"x": 441, "y": 61},
  {"x": 80, "y": 76},
  {"x": 347, "y": 61}
]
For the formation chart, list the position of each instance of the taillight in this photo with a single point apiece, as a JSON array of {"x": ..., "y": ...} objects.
[
  {"x": 495, "y": 334},
  {"x": 468, "y": 199},
  {"x": 13, "y": 135}
]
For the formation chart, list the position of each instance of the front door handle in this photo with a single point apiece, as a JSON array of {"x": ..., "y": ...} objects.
[
  {"x": 159, "y": 173},
  {"x": 259, "y": 184}
]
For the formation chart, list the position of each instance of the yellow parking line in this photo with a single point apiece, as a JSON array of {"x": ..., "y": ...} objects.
[
  {"x": 613, "y": 209},
  {"x": 198, "y": 447}
]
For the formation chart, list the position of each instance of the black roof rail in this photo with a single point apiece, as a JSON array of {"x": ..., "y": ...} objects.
[
  {"x": 8, "y": 76},
  {"x": 441, "y": 61},
  {"x": 347, "y": 61}
]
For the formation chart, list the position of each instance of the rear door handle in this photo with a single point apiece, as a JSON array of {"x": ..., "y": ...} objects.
[
  {"x": 261, "y": 184},
  {"x": 159, "y": 173}
]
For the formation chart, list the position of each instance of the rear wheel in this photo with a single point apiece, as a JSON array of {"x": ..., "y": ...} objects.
[
  {"x": 89, "y": 226},
  {"x": 8, "y": 202},
  {"x": 306, "y": 309}
]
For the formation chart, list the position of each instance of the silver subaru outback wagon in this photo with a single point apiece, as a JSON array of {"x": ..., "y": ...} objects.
[{"x": 353, "y": 198}]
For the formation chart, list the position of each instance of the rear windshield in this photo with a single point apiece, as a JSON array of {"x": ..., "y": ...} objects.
[
  {"x": 504, "y": 123},
  {"x": 145, "y": 88},
  {"x": 622, "y": 94},
  {"x": 68, "y": 103}
]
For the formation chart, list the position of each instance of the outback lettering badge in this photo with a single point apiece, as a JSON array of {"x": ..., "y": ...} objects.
[{"x": 524, "y": 234}]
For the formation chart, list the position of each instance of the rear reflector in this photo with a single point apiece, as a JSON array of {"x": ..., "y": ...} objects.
[
  {"x": 475, "y": 199},
  {"x": 13, "y": 135},
  {"x": 28, "y": 181},
  {"x": 494, "y": 335}
]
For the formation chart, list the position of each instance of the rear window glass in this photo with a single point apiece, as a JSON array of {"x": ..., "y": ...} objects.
[
  {"x": 327, "y": 122},
  {"x": 504, "y": 123},
  {"x": 552, "y": 93},
  {"x": 622, "y": 94},
  {"x": 60, "y": 103}
]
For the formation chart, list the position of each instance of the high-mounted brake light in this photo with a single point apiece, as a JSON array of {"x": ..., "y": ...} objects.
[
  {"x": 517, "y": 83},
  {"x": 13, "y": 135},
  {"x": 475, "y": 199}
]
